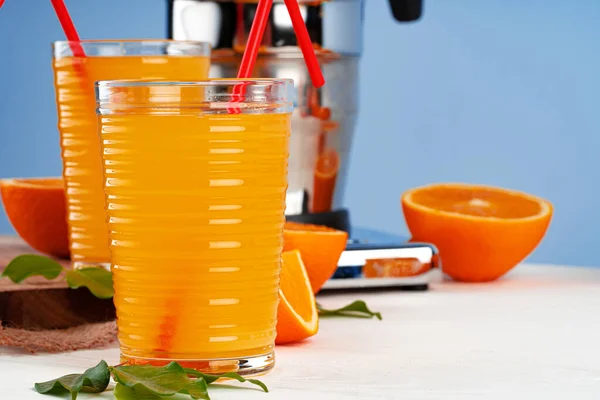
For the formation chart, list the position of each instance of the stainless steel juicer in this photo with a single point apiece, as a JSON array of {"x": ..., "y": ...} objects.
[{"x": 324, "y": 119}]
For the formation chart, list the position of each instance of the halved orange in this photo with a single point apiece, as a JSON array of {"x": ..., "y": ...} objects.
[
  {"x": 297, "y": 317},
  {"x": 320, "y": 247},
  {"x": 36, "y": 208},
  {"x": 325, "y": 176},
  {"x": 480, "y": 231}
]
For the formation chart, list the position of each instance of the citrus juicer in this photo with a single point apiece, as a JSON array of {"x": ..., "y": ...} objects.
[{"x": 323, "y": 122}]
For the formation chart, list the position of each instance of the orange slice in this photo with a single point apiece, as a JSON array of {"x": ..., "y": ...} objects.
[
  {"x": 36, "y": 208},
  {"x": 394, "y": 267},
  {"x": 297, "y": 317},
  {"x": 325, "y": 175},
  {"x": 480, "y": 231},
  {"x": 320, "y": 247}
]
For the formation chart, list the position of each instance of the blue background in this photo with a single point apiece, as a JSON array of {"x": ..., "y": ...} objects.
[{"x": 503, "y": 92}]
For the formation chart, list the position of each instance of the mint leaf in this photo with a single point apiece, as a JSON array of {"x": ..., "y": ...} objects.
[
  {"x": 139, "y": 382},
  {"x": 97, "y": 280},
  {"x": 124, "y": 393},
  {"x": 357, "y": 309},
  {"x": 93, "y": 380},
  {"x": 160, "y": 381},
  {"x": 232, "y": 375},
  {"x": 26, "y": 265}
]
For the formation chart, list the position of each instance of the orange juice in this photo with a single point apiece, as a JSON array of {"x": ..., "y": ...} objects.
[
  {"x": 74, "y": 79},
  {"x": 195, "y": 203}
]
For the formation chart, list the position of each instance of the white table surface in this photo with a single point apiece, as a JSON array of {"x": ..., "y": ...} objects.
[{"x": 534, "y": 334}]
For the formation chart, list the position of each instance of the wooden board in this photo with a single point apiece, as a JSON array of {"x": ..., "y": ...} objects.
[{"x": 39, "y": 303}]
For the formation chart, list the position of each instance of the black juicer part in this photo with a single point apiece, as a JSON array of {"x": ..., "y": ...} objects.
[
  {"x": 406, "y": 10},
  {"x": 338, "y": 219}
]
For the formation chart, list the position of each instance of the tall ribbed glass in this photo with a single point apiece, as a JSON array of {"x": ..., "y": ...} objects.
[
  {"x": 195, "y": 182},
  {"x": 74, "y": 78}
]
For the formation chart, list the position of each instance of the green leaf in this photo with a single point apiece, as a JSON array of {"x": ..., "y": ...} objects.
[
  {"x": 160, "y": 381},
  {"x": 231, "y": 375},
  {"x": 26, "y": 265},
  {"x": 357, "y": 309},
  {"x": 97, "y": 280},
  {"x": 124, "y": 393},
  {"x": 93, "y": 380}
]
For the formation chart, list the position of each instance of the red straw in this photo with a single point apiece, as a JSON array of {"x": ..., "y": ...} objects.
[
  {"x": 67, "y": 25},
  {"x": 254, "y": 41},
  {"x": 314, "y": 70},
  {"x": 255, "y": 38},
  {"x": 261, "y": 17}
]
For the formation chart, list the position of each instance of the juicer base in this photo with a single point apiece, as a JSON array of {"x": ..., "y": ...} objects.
[{"x": 375, "y": 260}]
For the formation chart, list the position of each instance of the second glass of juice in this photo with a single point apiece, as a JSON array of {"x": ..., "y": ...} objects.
[
  {"x": 195, "y": 181},
  {"x": 74, "y": 78}
]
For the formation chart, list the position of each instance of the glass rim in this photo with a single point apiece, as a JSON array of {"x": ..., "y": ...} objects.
[
  {"x": 211, "y": 96},
  {"x": 202, "y": 48},
  {"x": 210, "y": 82},
  {"x": 134, "y": 41}
]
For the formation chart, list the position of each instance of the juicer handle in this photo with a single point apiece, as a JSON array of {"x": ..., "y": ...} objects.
[{"x": 406, "y": 10}]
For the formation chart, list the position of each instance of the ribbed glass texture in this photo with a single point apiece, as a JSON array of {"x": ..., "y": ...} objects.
[{"x": 195, "y": 182}]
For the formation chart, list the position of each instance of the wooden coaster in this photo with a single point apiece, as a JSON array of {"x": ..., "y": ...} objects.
[{"x": 38, "y": 303}]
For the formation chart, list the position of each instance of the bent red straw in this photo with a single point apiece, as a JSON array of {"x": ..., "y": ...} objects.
[
  {"x": 255, "y": 38},
  {"x": 68, "y": 27},
  {"x": 257, "y": 30},
  {"x": 305, "y": 44}
]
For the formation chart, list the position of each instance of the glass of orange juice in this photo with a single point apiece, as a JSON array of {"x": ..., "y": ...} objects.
[
  {"x": 195, "y": 182},
  {"x": 74, "y": 78}
]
